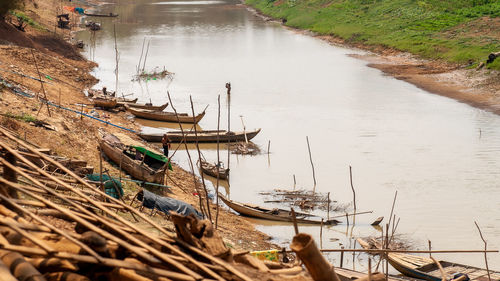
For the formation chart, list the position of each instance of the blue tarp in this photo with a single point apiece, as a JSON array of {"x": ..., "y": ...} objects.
[{"x": 166, "y": 204}]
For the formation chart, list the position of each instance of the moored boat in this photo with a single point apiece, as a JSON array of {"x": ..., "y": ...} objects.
[
  {"x": 274, "y": 214},
  {"x": 200, "y": 136},
  {"x": 425, "y": 268},
  {"x": 165, "y": 116},
  {"x": 104, "y": 102},
  {"x": 214, "y": 170},
  {"x": 148, "y": 106},
  {"x": 110, "y": 15},
  {"x": 137, "y": 161}
]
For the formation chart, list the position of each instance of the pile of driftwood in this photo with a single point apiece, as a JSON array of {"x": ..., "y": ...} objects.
[
  {"x": 155, "y": 74},
  {"x": 245, "y": 148},
  {"x": 55, "y": 227},
  {"x": 304, "y": 199}
]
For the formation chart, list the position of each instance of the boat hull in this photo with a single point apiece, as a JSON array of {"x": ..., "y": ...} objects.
[
  {"x": 209, "y": 137},
  {"x": 149, "y": 107},
  {"x": 136, "y": 170},
  {"x": 165, "y": 116},
  {"x": 212, "y": 171}
]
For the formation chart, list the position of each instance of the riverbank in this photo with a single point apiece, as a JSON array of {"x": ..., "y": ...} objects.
[
  {"x": 446, "y": 66},
  {"x": 65, "y": 73}
]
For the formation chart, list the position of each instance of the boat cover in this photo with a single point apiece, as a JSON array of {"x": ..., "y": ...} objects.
[
  {"x": 109, "y": 186},
  {"x": 166, "y": 204},
  {"x": 153, "y": 155}
]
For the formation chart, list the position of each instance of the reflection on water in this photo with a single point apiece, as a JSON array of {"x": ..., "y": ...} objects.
[{"x": 394, "y": 135}]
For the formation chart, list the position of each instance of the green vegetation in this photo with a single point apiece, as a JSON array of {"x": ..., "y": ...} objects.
[
  {"x": 7, "y": 5},
  {"x": 28, "y": 20},
  {"x": 25, "y": 117},
  {"x": 458, "y": 31}
]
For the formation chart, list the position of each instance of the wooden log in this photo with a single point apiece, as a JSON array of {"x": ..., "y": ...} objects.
[
  {"x": 45, "y": 265},
  {"x": 5, "y": 273},
  {"x": 20, "y": 268},
  {"x": 65, "y": 276},
  {"x": 319, "y": 268},
  {"x": 10, "y": 175},
  {"x": 377, "y": 276},
  {"x": 252, "y": 262}
]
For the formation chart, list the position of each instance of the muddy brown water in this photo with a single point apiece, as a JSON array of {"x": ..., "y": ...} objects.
[{"x": 441, "y": 156}]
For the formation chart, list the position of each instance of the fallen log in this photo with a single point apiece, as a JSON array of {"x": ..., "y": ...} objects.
[
  {"x": 307, "y": 251},
  {"x": 492, "y": 57},
  {"x": 20, "y": 268}
]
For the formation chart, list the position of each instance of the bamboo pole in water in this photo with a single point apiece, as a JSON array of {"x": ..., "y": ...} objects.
[
  {"x": 199, "y": 158},
  {"x": 485, "y": 250},
  {"x": 352, "y": 187},
  {"x": 189, "y": 157},
  {"x": 312, "y": 164},
  {"x": 217, "y": 166}
]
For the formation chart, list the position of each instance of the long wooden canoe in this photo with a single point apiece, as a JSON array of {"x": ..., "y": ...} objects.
[
  {"x": 203, "y": 136},
  {"x": 148, "y": 169},
  {"x": 148, "y": 106},
  {"x": 127, "y": 101},
  {"x": 214, "y": 170},
  {"x": 110, "y": 15},
  {"x": 104, "y": 102},
  {"x": 345, "y": 274},
  {"x": 165, "y": 116},
  {"x": 425, "y": 268},
  {"x": 273, "y": 214}
]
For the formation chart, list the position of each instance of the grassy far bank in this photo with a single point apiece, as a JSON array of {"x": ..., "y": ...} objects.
[{"x": 458, "y": 31}]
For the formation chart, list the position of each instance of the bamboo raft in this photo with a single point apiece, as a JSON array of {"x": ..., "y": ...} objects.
[
  {"x": 165, "y": 116},
  {"x": 250, "y": 210},
  {"x": 216, "y": 171},
  {"x": 200, "y": 136},
  {"x": 66, "y": 229}
]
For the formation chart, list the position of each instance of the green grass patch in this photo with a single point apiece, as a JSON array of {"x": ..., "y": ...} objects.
[
  {"x": 28, "y": 20},
  {"x": 24, "y": 117}
]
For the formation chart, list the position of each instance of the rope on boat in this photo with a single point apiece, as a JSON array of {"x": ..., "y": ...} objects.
[{"x": 18, "y": 91}]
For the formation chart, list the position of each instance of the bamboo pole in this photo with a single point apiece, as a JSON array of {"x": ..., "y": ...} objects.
[
  {"x": 312, "y": 164},
  {"x": 140, "y": 58},
  {"x": 199, "y": 157},
  {"x": 485, "y": 248},
  {"x": 218, "y": 167},
  {"x": 441, "y": 270},
  {"x": 295, "y": 227},
  {"x": 120, "y": 219},
  {"x": 189, "y": 156},
  {"x": 392, "y": 208},
  {"x": 146, "y": 56},
  {"x": 93, "y": 228},
  {"x": 352, "y": 187},
  {"x": 117, "y": 58},
  {"x": 386, "y": 254}
]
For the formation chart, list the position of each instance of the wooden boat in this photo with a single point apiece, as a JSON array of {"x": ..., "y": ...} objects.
[
  {"x": 345, "y": 274},
  {"x": 140, "y": 163},
  {"x": 203, "y": 136},
  {"x": 148, "y": 106},
  {"x": 128, "y": 101},
  {"x": 214, "y": 170},
  {"x": 425, "y": 268},
  {"x": 165, "y": 116},
  {"x": 110, "y": 15},
  {"x": 104, "y": 102},
  {"x": 274, "y": 214}
]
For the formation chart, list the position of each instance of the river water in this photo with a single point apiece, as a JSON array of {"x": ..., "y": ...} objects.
[{"x": 441, "y": 156}]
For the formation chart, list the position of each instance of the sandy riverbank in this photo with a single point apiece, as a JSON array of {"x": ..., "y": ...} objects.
[{"x": 66, "y": 76}]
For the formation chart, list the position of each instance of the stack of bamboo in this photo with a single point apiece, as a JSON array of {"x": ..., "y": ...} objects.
[{"x": 59, "y": 227}]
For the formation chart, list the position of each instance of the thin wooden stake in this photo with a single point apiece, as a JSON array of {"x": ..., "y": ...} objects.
[
  {"x": 217, "y": 166},
  {"x": 369, "y": 268},
  {"x": 294, "y": 182},
  {"x": 41, "y": 83},
  {"x": 312, "y": 164},
  {"x": 328, "y": 207},
  {"x": 202, "y": 209},
  {"x": 295, "y": 227},
  {"x": 485, "y": 249},
  {"x": 352, "y": 187},
  {"x": 146, "y": 56},
  {"x": 387, "y": 255},
  {"x": 392, "y": 208},
  {"x": 199, "y": 157},
  {"x": 342, "y": 257},
  {"x": 244, "y": 129},
  {"x": 321, "y": 234},
  {"x": 140, "y": 58},
  {"x": 268, "y": 146},
  {"x": 430, "y": 247}
]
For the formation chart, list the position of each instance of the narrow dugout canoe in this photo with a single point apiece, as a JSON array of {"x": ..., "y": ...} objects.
[
  {"x": 274, "y": 214},
  {"x": 148, "y": 106},
  {"x": 165, "y": 116},
  {"x": 203, "y": 136},
  {"x": 104, "y": 102},
  {"x": 148, "y": 169},
  {"x": 214, "y": 170},
  {"x": 425, "y": 268}
]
